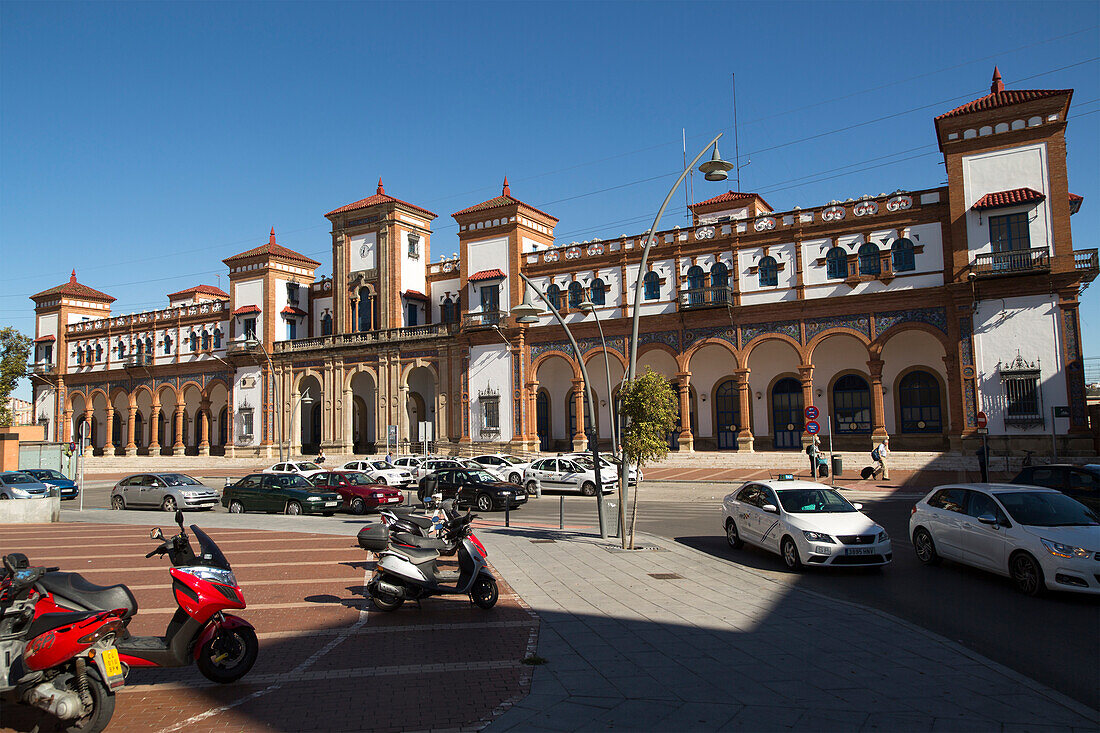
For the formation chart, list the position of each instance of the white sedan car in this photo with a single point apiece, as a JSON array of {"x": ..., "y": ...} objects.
[
  {"x": 1038, "y": 537},
  {"x": 805, "y": 523},
  {"x": 564, "y": 474},
  {"x": 608, "y": 462},
  {"x": 510, "y": 467},
  {"x": 381, "y": 472},
  {"x": 298, "y": 468}
]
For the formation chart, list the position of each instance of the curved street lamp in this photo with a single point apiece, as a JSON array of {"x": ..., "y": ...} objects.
[{"x": 252, "y": 343}]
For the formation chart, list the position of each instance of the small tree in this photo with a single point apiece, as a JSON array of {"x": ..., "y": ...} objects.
[
  {"x": 15, "y": 349},
  {"x": 649, "y": 403}
]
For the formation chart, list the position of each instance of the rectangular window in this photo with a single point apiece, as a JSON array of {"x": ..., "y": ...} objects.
[
  {"x": 1022, "y": 399},
  {"x": 292, "y": 293},
  {"x": 1009, "y": 233},
  {"x": 414, "y": 246},
  {"x": 250, "y": 328},
  {"x": 246, "y": 422},
  {"x": 291, "y": 329},
  {"x": 490, "y": 413},
  {"x": 47, "y": 353},
  {"x": 490, "y": 298},
  {"x": 413, "y": 313}
]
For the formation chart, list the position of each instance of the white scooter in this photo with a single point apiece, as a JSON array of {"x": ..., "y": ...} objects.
[{"x": 412, "y": 573}]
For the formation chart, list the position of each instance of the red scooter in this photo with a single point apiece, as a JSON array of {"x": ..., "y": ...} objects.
[
  {"x": 63, "y": 663},
  {"x": 222, "y": 645}
]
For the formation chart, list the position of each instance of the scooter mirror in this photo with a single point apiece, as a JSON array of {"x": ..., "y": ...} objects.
[
  {"x": 156, "y": 534},
  {"x": 179, "y": 518}
]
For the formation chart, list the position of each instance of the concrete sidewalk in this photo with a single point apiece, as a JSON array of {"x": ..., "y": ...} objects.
[{"x": 675, "y": 639}]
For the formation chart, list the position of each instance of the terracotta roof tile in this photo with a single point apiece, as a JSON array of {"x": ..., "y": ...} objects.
[
  {"x": 76, "y": 290},
  {"x": 415, "y": 294},
  {"x": 1002, "y": 99},
  {"x": 504, "y": 199},
  {"x": 729, "y": 196},
  {"x": 44, "y": 339},
  {"x": 245, "y": 310},
  {"x": 380, "y": 197},
  {"x": 201, "y": 290},
  {"x": 273, "y": 249},
  {"x": 292, "y": 311},
  {"x": 1075, "y": 202},
  {"x": 487, "y": 275},
  {"x": 1008, "y": 198}
]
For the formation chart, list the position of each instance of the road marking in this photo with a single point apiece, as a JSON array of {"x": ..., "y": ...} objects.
[
  {"x": 221, "y": 541},
  {"x": 236, "y": 566},
  {"x": 265, "y": 551}
]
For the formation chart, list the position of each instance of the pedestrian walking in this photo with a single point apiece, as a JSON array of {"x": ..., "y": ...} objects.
[
  {"x": 983, "y": 461},
  {"x": 389, "y": 458},
  {"x": 813, "y": 450},
  {"x": 320, "y": 457},
  {"x": 880, "y": 455}
]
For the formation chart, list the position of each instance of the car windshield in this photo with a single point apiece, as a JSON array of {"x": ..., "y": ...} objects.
[
  {"x": 814, "y": 501},
  {"x": 357, "y": 479},
  {"x": 381, "y": 465},
  {"x": 482, "y": 476},
  {"x": 46, "y": 473},
  {"x": 291, "y": 482},
  {"x": 308, "y": 467},
  {"x": 1047, "y": 509},
  {"x": 208, "y": 553},
  {"x": 178, "y": 479},
  {"x": 510, "y": 461},
  {"x": 19, "y": 478},
  {"x": 588, "y": 463}
]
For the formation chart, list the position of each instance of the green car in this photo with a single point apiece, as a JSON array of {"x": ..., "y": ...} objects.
[{"x": 286, "y": 493}]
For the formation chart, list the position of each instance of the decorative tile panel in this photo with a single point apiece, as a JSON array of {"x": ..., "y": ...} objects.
[
  {"x": 860, "y": 323},
  {"x": 425, "y": 354},
  {"x": 616, "y": 343},
  {"x": 725, "y": 333},
  {"x": 932, "y": 316},
  {"x": 517, "y": 394},
  {"x": 969, "y": 406},
  {"x": 786, "y": 328},
  {"x": 668, "y": 338},
  {"x": 1073, "y": 345},
  {"x": 966, "y": 348}
]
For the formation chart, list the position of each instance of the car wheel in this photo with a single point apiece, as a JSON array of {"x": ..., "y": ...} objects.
[
  {"x": 293, "y": 507},
  {"x": 484, "y": 502},
  {"x": 532, "y": 487},
  {"x": 515, "y": 478},
  {"x": 169, "y": 504},
  {"x": 1027, "y": 576},
  {"x": 358, "y": 506},
  {"x": 925, "y": 547},
  {"x": 382, "y": 480},
  {"x": 117, "y": 502},
  {"x": 733, "y": 537},
  {"x": 235, "y": 507},
  {"x": 790, "y": 554},
  {"x": 588, "y": 488}
]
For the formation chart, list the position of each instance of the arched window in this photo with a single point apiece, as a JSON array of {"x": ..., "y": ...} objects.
[
  {"x": 364, "y": 315},
  {"x": 651, "y": 286},
  {"x": 149, "y": 345},
  {"x": 79, "y": 356},
  {"x": 121, "y": 349},
  {"x": 571, "y": 407},
  {"x": 902, "y": 253},
  {"x": 852, "y": 405},
  {"x": 167, "y": 344},
  {"x": 205, "y": 340},
  {"x": 553, "y": 294},
  {"x": 576, "y": 294},
  {"x": 217, "y": 338},
  {"x": 98, "y": 352},
  {"x": 868, "y": 259},
  {"x": 598, "y": 292},
  {"x": 720, "y": 281},
  {"x": 194, "y": 341},
  {"x": 836, "y": 264},
  {"x": 326, "y": 324},
  {"x": 695, "y": 285},
  {"x": 140, "y": 347},
  {"x": 91, "y": 355},
  {"x": 768, "y": 270},
  {"x": 446, "y": 310},
  {"x": 919, "y": 399}
]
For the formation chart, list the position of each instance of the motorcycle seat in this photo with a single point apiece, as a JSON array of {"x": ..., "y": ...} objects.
[
  {"x": 417, "y": 556},
  {"x": 422, "y": 522},
  {"x": 423, "y": 543},
  {"x": 50, "y": 621},
  {"x": 73, "y": 587}
]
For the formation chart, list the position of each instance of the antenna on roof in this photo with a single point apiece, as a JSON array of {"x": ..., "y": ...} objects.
[
  {"x": 736, "y": 146},
  {"x": 688, "y": 192}
]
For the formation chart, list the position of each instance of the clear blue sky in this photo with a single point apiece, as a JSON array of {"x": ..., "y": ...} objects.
[{"x": 143, "y": 142}]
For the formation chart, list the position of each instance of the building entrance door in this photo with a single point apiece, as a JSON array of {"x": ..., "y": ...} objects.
[
  {"x": 727, "y": 405},
  {"x": 542, "y": 420},
  {"x": 787, "y": 414}
]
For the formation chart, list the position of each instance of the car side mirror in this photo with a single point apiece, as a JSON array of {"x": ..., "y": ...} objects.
[
  {"x": 988, "y": 519},
  {"x": 771, "y": 508},
  {"x": 857, "y": 505},
  {"x": 156, "y": 534}
]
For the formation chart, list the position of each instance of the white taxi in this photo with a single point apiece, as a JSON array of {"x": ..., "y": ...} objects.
[
  {"x": 381, "y": 472},
  {"x": 564, "y": 474},
  {"x": 300, "y": 468},
  {"x": 805, "y": 523}
]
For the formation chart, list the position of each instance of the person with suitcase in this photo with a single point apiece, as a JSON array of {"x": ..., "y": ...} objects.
[
  {"x": 879, "y": 455},
  {"x": 813, "y": 450}
]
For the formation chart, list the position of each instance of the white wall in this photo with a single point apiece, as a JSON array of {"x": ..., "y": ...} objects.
[
  {"x": 413, "y": 269},
  {"x": 488, "y": 254},
  {"x": 249, "y": 292},
  {"x": 439, "y": 289},
  {"x": 1003, "y": 170},
  {"x": 47, "y": 325},
  {"x": 751, "y": 291},
  {"x": 491, "y": 367},
  {"x": 254, "y": 397}
]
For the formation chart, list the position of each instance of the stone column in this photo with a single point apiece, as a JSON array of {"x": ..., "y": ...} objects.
[
  {"x": 687, "y": 441},
  {"x": 532, "y": 415},
  {"x": 806, "y": 373},
  {"x": 878, "y": 410},
  {"x": 128, "y": 449},
  {"x": 348, "y": 438},
  {"x": 89, "y": 413},
  {"x": 202, "y": 417},
  {"x": 154, "y": 430},
  {"x": 67, "y": 426},
  {"x": 109, "y": 435},
  {"x": 294, "y": 439},
  {"x": 177, "y": 444},
  {"x": 744, "y": 434},
  {"x": 580, "y": 439}
]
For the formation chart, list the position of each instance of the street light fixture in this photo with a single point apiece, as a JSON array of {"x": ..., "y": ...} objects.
[
  {"x": 587, "y": 306},
  {"x": 252, "y": 343},
  {"x": 528, "y": 312}
]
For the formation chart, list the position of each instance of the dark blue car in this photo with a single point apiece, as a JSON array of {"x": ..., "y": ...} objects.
[{"x": 67, "y": 487}]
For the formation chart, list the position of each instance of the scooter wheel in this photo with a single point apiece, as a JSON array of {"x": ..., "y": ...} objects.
[
  {"x": 102, "y": 708},
  {"x": 484, "y": 593},
  {"x": 384, "y": 601},
  {"x": 229, "y": 655}
]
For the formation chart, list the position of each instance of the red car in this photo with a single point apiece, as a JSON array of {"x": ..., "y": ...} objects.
[{"x": 357, "y": 491}]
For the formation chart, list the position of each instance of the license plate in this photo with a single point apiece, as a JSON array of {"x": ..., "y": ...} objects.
[
  {"x": 330, "y": 503},
  {"x": 394, "y": 499},
  {"x": 111, "y": 663},
  {"x": 860, "y": 551}
]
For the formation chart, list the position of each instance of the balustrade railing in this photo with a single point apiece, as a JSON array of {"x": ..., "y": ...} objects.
[
  {"x": 385, "y": 335},
  {"x": 1085, "y": 259},
  {"x": 1012, "y": 262},
  {"x": 473, "y": 321},
  {"x": 714, "y": 297}
]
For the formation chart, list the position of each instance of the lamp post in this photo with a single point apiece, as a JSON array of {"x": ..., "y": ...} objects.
[
  {"x": 304, "y": 399},
  {"x": 714, "y": 169},
  {"x": 252, "y": 343},
  {"x": 586, "y": 307},
  {"x": 527, "y": 312}
]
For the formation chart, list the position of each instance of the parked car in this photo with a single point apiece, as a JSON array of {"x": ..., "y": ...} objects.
[
  {"x": 167, "y": 491},
  {"x": 1038, "y": 537},
  {"x": 608, "y": 464},
  {"x": 20, "y": 485},
  {"x": 564, "y": 474},
  {"x": 357, "y": 490},
  {"x": 430, "y": 466},
  {"x": 280, "y": 492},
  {"x": 475, "y": 466},
  {"x": 1077, "y": 482},
  {"x": 299, "y": 468},
  {"x": 479, "y": 489},
  {"x": 381, "y": 472},
  {"x": 805, "y": 523},
  {"x": 409, "y": 463},
  {"x": 509, "y": 467},
  {"x": 66, "y": 487}
]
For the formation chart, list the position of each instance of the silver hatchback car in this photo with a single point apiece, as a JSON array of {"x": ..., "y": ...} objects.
[
  {"x": 166, "y": 491},
  {"x": 19, "y": 485}
]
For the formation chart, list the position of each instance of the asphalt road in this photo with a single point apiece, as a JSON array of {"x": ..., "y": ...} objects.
[{"x": 1054, "y": 639}]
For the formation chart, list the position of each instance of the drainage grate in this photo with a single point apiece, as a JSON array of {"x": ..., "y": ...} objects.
[
  {"x": 542, "y": 542},
  {"x": 666, "y": 576}
]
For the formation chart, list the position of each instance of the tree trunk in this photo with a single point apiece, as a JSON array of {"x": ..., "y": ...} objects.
[{"x": 634, "y": 514}]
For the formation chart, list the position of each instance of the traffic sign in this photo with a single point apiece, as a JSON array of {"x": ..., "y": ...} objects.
[
  {"x": 812, "y": 427},
  {"x": 72, "y": 447},
  {"x": 1061, "y": 411},
  {"x": 812, "y": 413},
  {"x": 982, "y": 420},
  {"x": 983, "y": 431}
]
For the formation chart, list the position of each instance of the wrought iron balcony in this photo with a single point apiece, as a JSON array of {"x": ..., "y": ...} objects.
[
  {"x": 43, "y": 368},
  {"x": 716, "y": 297},
  {"x": 1085, "y": 259},
  {"x": 1012, "y": 262},
  {"x": 383, "y": 336},
  {"x": 475, "y": 321},
  {"x": 136, "y": 361}
]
